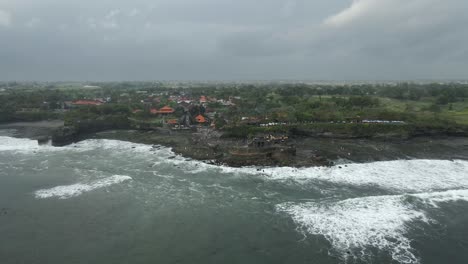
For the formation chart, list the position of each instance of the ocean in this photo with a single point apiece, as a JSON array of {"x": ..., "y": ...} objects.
[{"x": 107, "y": 201}]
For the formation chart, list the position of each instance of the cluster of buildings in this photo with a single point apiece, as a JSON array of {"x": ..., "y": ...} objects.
[
  {"x": 85, "y": 102},
  {"x": 203, "y": 100},
  {"x": 175, "y": 111},
  {"x": 181, "y": 111},
  {"x": 382, "y": 122}
]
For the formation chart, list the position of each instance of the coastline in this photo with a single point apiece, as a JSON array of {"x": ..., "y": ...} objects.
[
  {"x": 40, "y": 130},
  {"x": 310, "y": 151}
]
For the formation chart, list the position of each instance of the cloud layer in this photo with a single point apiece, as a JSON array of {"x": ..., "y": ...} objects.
[
  {"x": 5, "y": 18},
  {"x": 227, "y": 40}
]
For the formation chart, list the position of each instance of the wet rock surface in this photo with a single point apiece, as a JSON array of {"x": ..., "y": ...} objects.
[
  {"x": 207, "y": 145},
  {"x": 309, "y": 151},
  {"x": 41, "y": 131}
]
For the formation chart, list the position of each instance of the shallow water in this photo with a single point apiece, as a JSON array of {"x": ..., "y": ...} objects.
[{"x": 106, "y": 201}]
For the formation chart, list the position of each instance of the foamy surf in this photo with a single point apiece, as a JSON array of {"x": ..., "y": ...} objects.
[
  {"x": 436, "y": 198},
  {"x": 362, "y": 226},
  {"x": 108, "y": 144},
  {"x": 400, "y": 176},
  {"x": 11, "y": 143},
  {"x": 24, "y": 145},
  {"x": 69, "y": 191},
  {"x": 355, "y": 226}
]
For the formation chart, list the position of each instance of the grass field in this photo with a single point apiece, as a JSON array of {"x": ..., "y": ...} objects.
[{"x": 457, "y": 111}]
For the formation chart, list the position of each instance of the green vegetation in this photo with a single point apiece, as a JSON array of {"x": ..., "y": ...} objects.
[
  {"x": 243, "y": 110},
  {"x": 97, "y": 118}
]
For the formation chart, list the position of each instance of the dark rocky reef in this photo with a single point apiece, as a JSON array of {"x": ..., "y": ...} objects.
[
  {"x": 309, "y": 150},
  {"x": 65, "y": 136}
]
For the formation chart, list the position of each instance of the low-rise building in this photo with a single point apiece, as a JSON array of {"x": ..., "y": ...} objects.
[
  {"x": 203, "y": 99},
  {"x": 201, "y": 119},
  {"x": 85, "y": 102},
  {"x": 166, "y": 110}
]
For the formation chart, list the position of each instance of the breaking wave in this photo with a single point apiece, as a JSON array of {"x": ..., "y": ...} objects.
[
  {"x": 355, "y": 226},
  {"x": 11, "y": 143},
  {"x": 29, "y": 145},
  {"x": 69, "y": 191},
  {"x": 401, "y": 175}
]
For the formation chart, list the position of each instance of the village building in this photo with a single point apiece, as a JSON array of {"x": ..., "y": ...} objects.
[
  {"x": 203, "y": 99},
  {"x": 201, "y": 119},
  {"x": 172, "y": 122},
  {"x": 85, "y": 102},
  {"x": 166, "y": 110},
  {"x": 184, "y": 99}
]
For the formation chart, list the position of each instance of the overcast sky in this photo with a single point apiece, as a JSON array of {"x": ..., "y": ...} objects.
[{"x": 233, "y": 39}]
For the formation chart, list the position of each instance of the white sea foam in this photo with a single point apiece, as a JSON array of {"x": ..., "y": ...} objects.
[
  {"x": 112, "y": 147},
  {"x": 107, "y": 144},
  {"x": 11, "y": 143},
  {"x": 356, "y": 225},
  {"x": 26, "y": 146},
  {"x": 436, "y": 198},
  {"x": 69, "y": 191},
  {"x": 401, "y": 175}
]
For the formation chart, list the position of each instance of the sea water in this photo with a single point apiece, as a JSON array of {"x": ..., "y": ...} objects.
[{"x": 107, "y": 201}]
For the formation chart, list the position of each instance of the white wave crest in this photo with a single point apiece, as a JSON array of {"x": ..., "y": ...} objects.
[
  {"x": 108, "y": 144},
  {"x": 28, "y": 146},
  {"x": 400, "y": 175},
  {"x": 69, "y": 191},
  {"x": 11, "y": 143},
  {"x": 436, "y": 198},
  {"x": 356, "y": 225}
]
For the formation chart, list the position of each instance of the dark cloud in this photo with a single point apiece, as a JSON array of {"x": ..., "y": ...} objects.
[{"x": 227, "y": 39}]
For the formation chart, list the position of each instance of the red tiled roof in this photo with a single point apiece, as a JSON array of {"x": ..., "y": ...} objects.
[
  {"x": 167, "y": 109},
  {"x": 164, "y": 110},
  {"x": 172, "y": 121},
  {"x": 86, "y": 102},
  {"x": 200, "y": 119}
]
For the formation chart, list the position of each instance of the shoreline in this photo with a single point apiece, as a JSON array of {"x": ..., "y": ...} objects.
[
  {"x": 40, "y": 130},
  {"x": 310, "y": 151}
]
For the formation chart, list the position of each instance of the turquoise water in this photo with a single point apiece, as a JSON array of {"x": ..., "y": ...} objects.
[{"x": 106, "y": 201}]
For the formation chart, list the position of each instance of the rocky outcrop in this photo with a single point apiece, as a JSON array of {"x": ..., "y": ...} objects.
[{"x": 64, "y": 136}]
